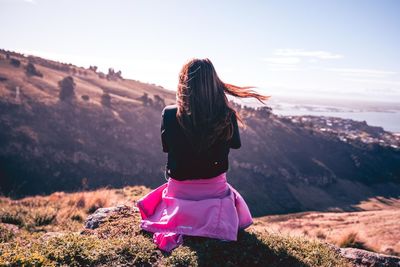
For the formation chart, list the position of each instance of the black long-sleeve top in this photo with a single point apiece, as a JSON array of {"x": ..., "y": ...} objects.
[{"x": 183, "y": 162}]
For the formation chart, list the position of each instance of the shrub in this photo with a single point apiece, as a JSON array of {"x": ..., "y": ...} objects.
[
  {"x": 32, "y": 71},
  {"x": 77, "y": 217},
  {"x": 12, "y": 217},
  {"x": 15, "y": 62},
  {"x": 146, "y": 100},
  {"x": 93, "y": 68},
  {"x": 67, "y": 88},
  {"x": 42, "y": 218},
  {"x": 159, "y": 101},
  {"x": 264, "y": 112},
  {"x": 101, "y": 75},
  {"x": 106, "y": 100},
  {"x": 112, "y": 75}
]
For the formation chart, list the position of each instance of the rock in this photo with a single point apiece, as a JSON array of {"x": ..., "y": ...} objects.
[
  {"x": 100, "y": 215},
  {"x": 361, "y": 258}
]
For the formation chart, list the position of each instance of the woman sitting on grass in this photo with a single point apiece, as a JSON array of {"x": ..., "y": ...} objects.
[{"x": 197, "y": 134}]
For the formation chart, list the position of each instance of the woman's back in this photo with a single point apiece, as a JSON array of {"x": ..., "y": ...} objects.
[{"x": 185, "y": 161}]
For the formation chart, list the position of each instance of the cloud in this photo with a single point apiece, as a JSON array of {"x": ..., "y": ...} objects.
[
  {"x": 30, "y": 1},
  {"x": 289, "y": 59},
  {"x": 282, "y": 68},
  {"x": 303, "y": 53},
  {"x": 362, "y": 72},
  {"x": 319, "y": 54},
  {"x": 282, "y": 60},
  {"x": 382, "y": 82}
]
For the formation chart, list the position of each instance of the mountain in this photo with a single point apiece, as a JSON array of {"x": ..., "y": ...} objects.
[{"x": 103, "y": 130}]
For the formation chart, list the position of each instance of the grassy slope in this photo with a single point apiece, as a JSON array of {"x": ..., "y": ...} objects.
[
  {"x": 375, "y": 228},
  {"x": 280, "y": 168},
  {"x": 48, "y": 231}
]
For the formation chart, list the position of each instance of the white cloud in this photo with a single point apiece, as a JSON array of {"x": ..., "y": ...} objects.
[
  {"x": 319, "y": 54},
  {"x": 382, "y": 82},
  {"x": 282, "y": 60},
  {"x": 289, "y": 59},
  {"x": 277, "y": 67},
  {"x": 362, "y": 72}
]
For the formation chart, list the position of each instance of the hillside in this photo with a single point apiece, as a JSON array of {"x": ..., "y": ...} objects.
[
  {"x": 376, "y": 227},
  {"x": 108, "y": 135},
  {"x": 49, "y": 231}
]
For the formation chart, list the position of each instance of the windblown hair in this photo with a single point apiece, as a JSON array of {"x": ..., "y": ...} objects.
[{"x": 203, "y": 108}]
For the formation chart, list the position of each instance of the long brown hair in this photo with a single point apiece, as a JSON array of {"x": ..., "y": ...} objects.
[{"x": 203, "y": 108}]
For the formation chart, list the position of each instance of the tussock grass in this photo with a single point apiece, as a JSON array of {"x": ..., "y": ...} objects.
[
  {"x": 352, "y": 240},
  {"x": 12, "y": 216}
]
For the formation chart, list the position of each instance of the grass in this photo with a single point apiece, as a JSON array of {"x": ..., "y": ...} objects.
[
  {"x": 50, "y": 233},
  {"x": 6, "y": 234},
  {"x": 352, "y": 240},
  {"x": 374, "y": 230}
]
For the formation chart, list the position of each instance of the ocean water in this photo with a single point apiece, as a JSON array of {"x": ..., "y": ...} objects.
[{"x": 389, "y": 121}]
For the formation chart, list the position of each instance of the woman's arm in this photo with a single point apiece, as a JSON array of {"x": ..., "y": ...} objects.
[
  {"x": 235, "y": 141},
  {"x": 163, "y": 133}
]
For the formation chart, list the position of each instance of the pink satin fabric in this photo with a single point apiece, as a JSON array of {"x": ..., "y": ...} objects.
[{"x": 204, "y": 207}]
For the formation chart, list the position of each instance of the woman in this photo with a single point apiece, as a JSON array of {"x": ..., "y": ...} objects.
[{"x": 197, "y": 134}]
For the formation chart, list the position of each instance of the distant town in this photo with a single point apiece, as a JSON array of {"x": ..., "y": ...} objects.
[{"x": 348, "y": 130}]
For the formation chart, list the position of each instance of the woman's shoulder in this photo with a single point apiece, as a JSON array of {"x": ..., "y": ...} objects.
[{"x": 169, "y": 111}]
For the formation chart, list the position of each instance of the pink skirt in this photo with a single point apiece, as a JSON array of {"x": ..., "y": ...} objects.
[{"x": 202, "y": 207}]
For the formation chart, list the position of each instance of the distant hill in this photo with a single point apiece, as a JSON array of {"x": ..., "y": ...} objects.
[{"x": 108, "y": 134}]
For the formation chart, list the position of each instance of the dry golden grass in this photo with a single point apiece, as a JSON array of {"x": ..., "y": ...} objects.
[
  {"x": 376, "y": 229},
  {"x": 352, "y": 240},
  {"x": 63, "y": 211}
]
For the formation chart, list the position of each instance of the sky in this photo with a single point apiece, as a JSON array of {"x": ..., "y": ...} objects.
[{"x": 344, "y": 49}]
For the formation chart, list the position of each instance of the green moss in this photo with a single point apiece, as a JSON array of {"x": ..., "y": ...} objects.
[
  {"x": 15, "y": 254},
  {"x": 182, "y": 256}
]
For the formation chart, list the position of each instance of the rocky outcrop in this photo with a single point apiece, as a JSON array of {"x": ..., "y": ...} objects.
[
  {"x": 100, "y": 215},
  {"x": 361, "y": 258}
]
